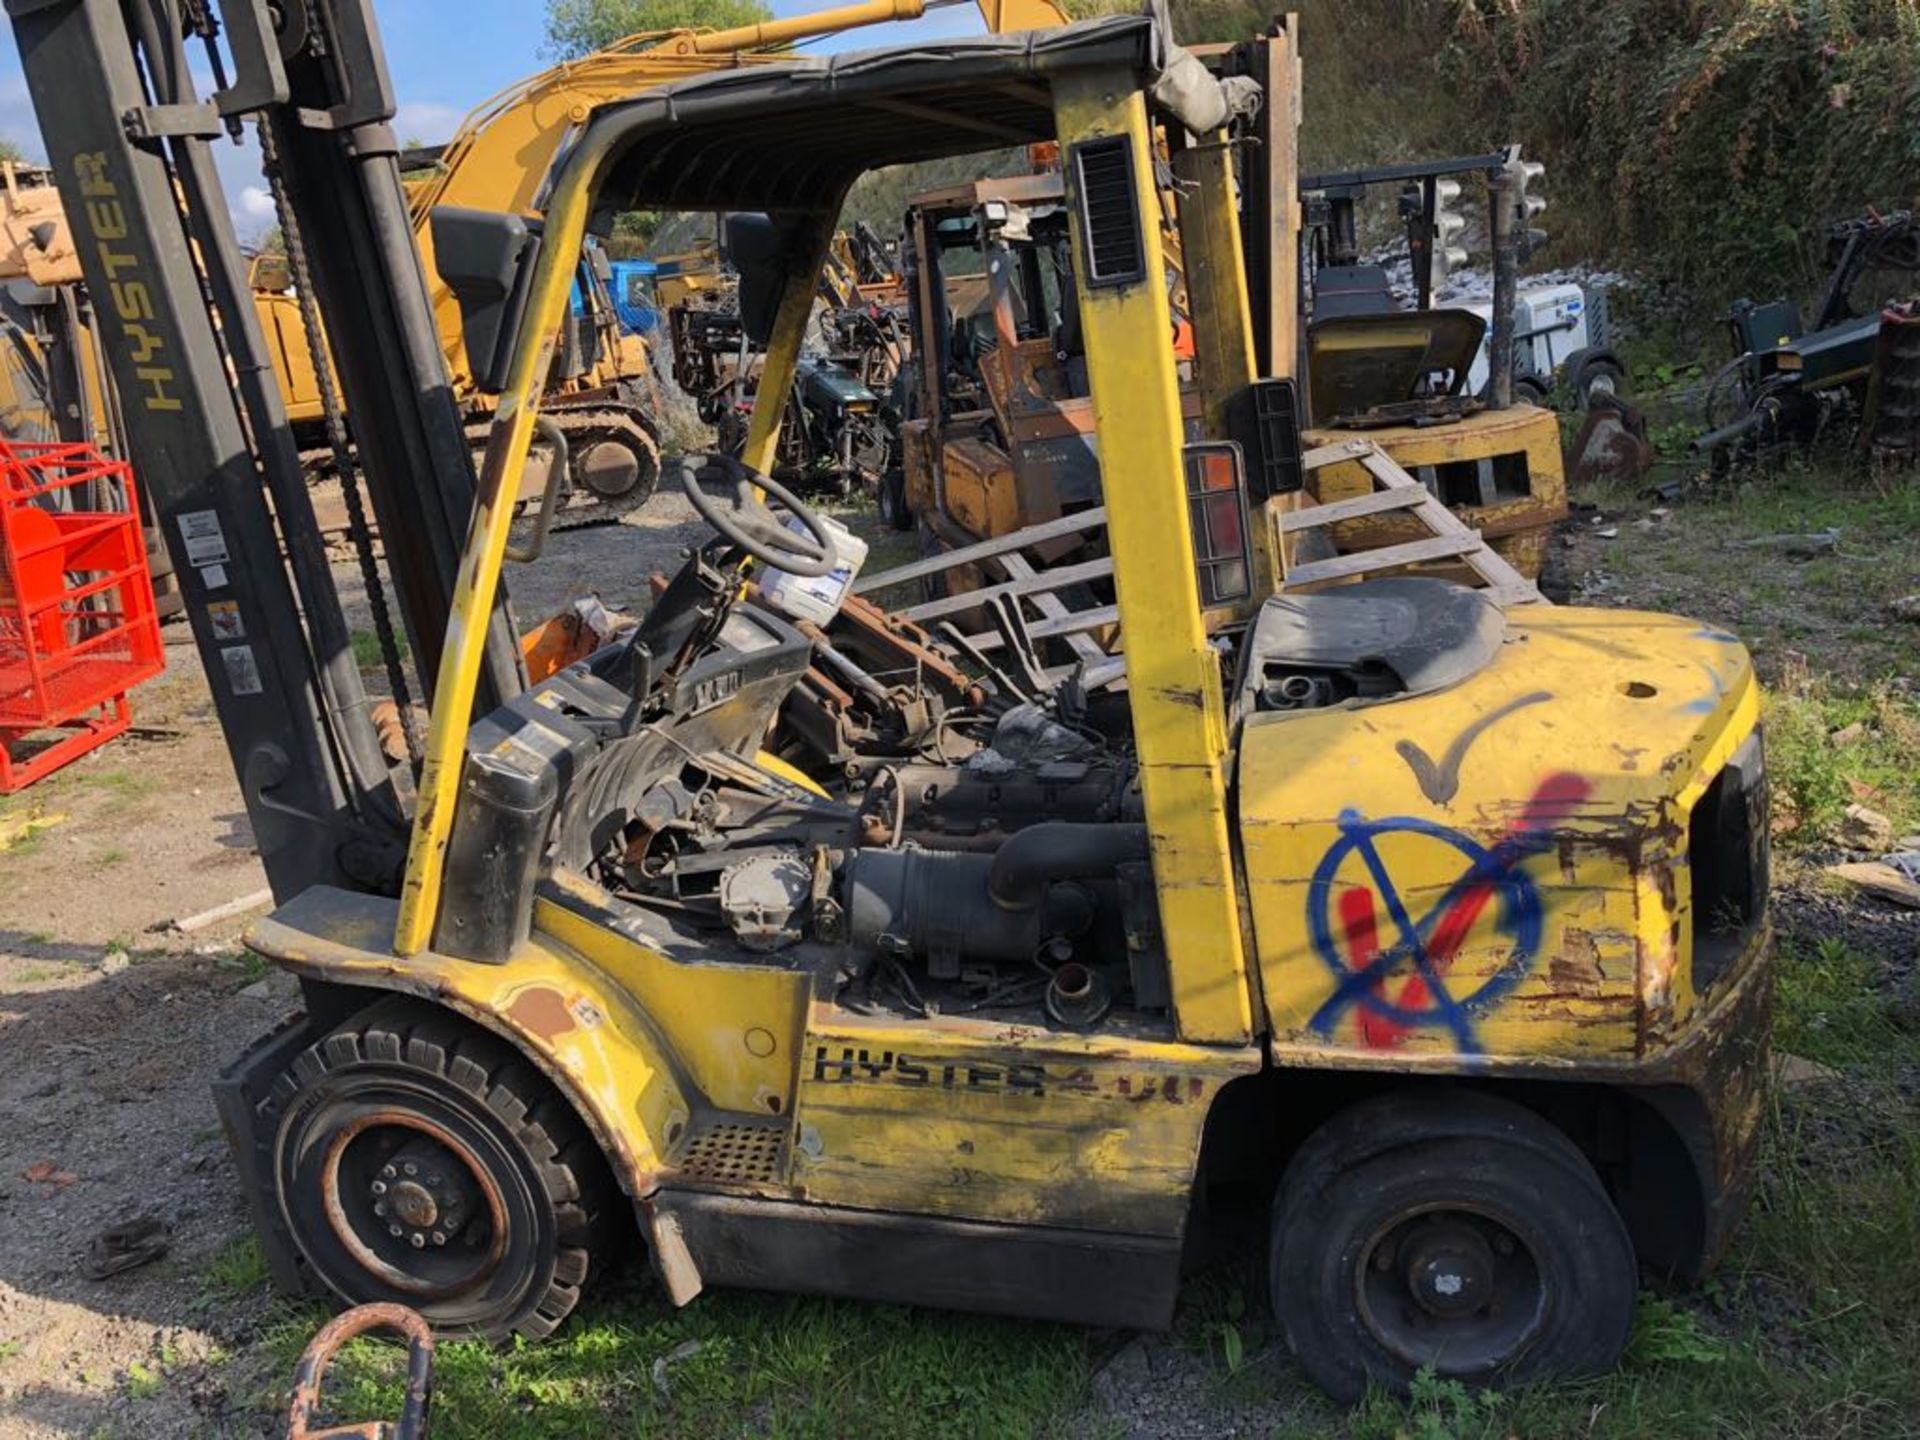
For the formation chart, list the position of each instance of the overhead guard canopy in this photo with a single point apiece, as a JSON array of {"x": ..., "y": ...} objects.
[{"x": 793, "y": 137}]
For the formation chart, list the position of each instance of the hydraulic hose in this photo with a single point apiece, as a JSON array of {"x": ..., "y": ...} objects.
[{"x": 1036, "y": 857}]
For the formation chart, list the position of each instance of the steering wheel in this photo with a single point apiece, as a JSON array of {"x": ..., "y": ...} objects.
[{"x": 720, "y": 489}]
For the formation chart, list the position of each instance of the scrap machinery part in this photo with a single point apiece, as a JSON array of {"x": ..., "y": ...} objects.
[
  {"x": 309, "y": 1378},
  {"x": 1891, "y": 425}
]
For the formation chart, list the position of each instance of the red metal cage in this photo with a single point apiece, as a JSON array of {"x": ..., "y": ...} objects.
[{"x": 77, "y": 623}]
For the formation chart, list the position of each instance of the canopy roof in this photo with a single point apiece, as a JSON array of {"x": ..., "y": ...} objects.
[{"x": 792, "y": 137}]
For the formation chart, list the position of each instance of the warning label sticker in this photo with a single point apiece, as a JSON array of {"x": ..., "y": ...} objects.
[
  {"x": 206, "y": 543},
  {"x": 243, "y": 671},
  {"x": 224, "y": 616}
]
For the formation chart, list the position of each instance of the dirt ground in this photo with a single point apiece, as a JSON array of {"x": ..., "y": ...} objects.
[{"x": 112, "y": 1023}]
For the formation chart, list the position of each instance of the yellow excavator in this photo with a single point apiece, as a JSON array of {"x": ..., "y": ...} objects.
[{"x": 602, "y": 395}]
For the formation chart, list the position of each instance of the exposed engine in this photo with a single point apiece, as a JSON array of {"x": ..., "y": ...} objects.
[
  {"x": 1015, "y": 877},
  {"x": 925, "y": 840}
]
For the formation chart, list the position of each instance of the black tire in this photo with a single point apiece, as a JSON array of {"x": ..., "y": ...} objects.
[
  {"x": 1595, "y": 379},
  {"x": 406, "y": 1084},
  {"x": 893, "y": 501},
  {"x": 1530, "y": 390},
  {"x": 1400, "y": 1197}
]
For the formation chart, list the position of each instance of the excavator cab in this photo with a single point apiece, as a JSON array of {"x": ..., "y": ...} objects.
[{"x": 978, "y": 1009}]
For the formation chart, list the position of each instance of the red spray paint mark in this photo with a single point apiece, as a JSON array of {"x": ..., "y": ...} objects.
[{"x": 1556, "y": 798}]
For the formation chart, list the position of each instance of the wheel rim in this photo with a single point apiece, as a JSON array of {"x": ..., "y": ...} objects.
[
  {"x": 393, "y": 1183},
  {"x": 337, "y": 1145},
  {"x": 1454, "y": 1287}
]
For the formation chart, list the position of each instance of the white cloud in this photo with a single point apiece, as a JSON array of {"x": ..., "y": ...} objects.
[
  {"x": 254, "y": 204},
  {"x": 427, "y": 121}
]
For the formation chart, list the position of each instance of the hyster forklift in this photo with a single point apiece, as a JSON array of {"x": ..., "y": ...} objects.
[{"x": 1440, "y": 927}]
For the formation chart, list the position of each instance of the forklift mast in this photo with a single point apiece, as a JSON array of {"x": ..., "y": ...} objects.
[{"x": 130, "y": 144}]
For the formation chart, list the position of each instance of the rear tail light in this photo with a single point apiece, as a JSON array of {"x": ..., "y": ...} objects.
[{"x": 1217, "y": 513}]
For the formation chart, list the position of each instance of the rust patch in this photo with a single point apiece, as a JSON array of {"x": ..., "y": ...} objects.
[
  {"x": 541, "y": 1011},
  {"x": 1575, "y": 970},
  {"x": 312, "y": 1373}
]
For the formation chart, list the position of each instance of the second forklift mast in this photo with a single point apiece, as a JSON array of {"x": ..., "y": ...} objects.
[{"x": 131, "y": 142}]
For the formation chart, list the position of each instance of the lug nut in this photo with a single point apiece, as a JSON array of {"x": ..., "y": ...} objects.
[
  {"x": 379, "y": 1187},
  {"x": 419, "y": 1240},
  {"x": 380, "y": 1208},
  {"x": 439, "y": 1238},
  {"x": 412, "y": 1169},
  {"x": 389, "y": 1172},
  {"x": 433, "y": 1182},
  {"x": 395, "y": 1231}
]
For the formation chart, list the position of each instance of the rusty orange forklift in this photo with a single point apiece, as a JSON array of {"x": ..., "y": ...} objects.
[{"x": 1442, "y": 927}]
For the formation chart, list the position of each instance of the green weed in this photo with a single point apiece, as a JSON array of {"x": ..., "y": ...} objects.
[
  {"x": 238, "y": 1271},
  {"x": 1829, "y": 1010},
  {"x": 1664, "y": 1333},
  {"x": 1816, "y": 777},
  {"x": 366, "y": 649}
]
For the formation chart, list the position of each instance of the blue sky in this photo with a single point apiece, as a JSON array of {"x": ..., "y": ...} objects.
[{"x": 444, "y": 58}]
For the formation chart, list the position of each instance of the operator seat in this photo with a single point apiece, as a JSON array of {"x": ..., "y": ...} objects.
[{"x": 1371, "y": 641}]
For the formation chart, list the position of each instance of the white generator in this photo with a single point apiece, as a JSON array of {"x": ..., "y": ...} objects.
[{"x": 1551, "y": 323}]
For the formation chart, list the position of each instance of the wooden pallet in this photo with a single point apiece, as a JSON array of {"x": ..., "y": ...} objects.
[
  {"x": 1022, "y": 599},
  {"x": 1451, "y": 540},
  {"x": 1022, "y": 585}
]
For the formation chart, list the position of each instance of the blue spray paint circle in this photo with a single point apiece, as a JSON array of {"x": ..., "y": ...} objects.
[{"x": 1518, "y": 916}]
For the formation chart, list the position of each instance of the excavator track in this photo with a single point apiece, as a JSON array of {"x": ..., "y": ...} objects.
[{"x": 613, "y": 463}]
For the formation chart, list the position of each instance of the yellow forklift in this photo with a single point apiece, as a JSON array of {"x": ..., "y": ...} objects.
[{"x": 1442, "y": 927}]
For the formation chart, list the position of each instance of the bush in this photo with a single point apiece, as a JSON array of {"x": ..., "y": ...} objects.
[{"x": 1710, "y": 141}]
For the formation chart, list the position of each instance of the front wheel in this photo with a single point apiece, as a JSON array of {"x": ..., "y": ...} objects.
[
  {"x": 1451, "y": 1230},
  {"x": 420, "y": 1160}
]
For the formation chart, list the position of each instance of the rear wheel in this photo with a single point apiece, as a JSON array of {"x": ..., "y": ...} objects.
[
  {"x": 419, "y": 1159},
  {"x": 1447, "y": 1229}
]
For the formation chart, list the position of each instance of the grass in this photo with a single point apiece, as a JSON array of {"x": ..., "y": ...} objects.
[
  {"x": 245, "y": 966},
  {"x": 237, "y": 1272},
  {"x": 42, "y": 974},
  {"x": 1830, "y": 610},
  {"x": 366, "y": 649},
  {"x": 1831, "y": 1012},
  {"x": 1816, "y": 777},
  {"x": 734, "y": 1364}
]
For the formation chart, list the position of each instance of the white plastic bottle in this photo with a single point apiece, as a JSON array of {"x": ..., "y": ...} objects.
[{"x": 817, "y": 597}]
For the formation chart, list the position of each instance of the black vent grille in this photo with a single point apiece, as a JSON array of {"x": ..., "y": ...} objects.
[
  {"x": 1264, "y": 418},
  {"x": 1109, "y": 212}
]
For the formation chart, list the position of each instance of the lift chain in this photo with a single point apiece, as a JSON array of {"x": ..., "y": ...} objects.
[{"x": 337, "y": 440}]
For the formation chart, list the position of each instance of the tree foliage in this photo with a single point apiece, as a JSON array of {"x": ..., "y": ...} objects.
[
  {"x": 579, "y": 27},
  {"x": 1711, "y": 142},
  {"x": 11, "y": 151}
]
